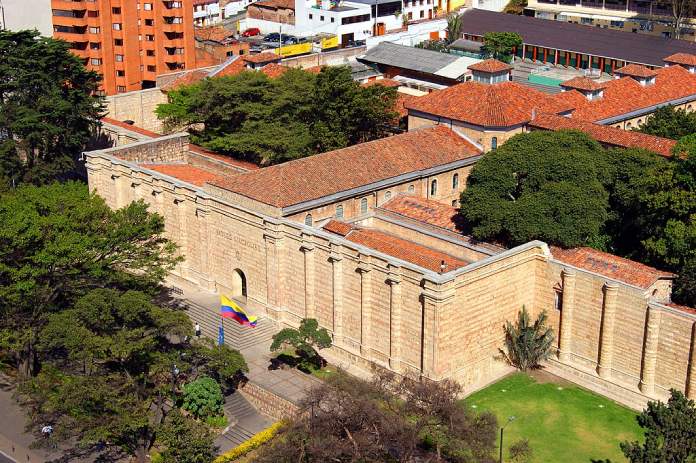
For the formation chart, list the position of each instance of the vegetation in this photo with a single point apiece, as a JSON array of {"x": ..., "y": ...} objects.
[
  {"x": 306, "y": 340},
  {"x": 562, "y": 422},
  {"x": 454, "y": 27},
  {"x": 203, "y": 397},
  {"x": 669, "y": 122},
  {"x": 184, "y": 440},
  {"x": 254, "y": 442},
  {"x": 527, "y": 344},
  {"x": 565, "y": 189},
  {"x": 500, "y": 45},
  {"x": 268, "y": 121},
  {"x": 389, "y": 418},
  {"x": 670, "y": 432},
  {"x": 515, "y": 7},
  {"x": 48, "y": 108}
]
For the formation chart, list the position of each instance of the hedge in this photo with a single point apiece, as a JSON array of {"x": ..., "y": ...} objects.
[{"x": 256, "y": 440}]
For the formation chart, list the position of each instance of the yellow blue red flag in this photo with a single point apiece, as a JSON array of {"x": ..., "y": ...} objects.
[{"x": 230, "y": 309}]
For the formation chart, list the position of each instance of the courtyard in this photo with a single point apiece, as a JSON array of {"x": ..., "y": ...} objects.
[{"x": 562, "y": 421}]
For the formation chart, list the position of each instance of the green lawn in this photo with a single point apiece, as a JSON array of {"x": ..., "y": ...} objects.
[{"x": 563, "y": 422}]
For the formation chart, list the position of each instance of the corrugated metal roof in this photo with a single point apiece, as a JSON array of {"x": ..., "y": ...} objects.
[
  {"x": 625, "y": 46},
  {"x": 401, "y": 56}
]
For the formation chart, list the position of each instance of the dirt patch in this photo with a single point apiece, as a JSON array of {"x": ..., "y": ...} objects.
[{"x": 543, "y": 376}]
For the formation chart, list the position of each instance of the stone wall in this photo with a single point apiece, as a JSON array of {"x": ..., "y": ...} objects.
[
  {"x": 268, "y": 403},
  {"x": 138, "y": 106},
  {"x": 329, "y": 58}
]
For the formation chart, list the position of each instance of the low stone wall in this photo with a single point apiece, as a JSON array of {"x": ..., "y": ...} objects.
[
  {"x": 329, "y": 58},
  {"x": 269, "y": 403}
]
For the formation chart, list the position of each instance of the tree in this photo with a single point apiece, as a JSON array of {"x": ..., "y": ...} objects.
[
  {"x": 670, "y": 432},
  {"x": 454, "y": 27},
  {"x": 527, "y": 344},
  {"x": 681, "y": 10},
  {"x": 521, "y": 452},
  {"x": 500, "y": 45},
  {"x": 684, "y": 291},
  {"x": 250, "y": 116},
  {"x": 203, "y": 397},
  {"x": 220, "y": 362},
  {"x": 59, "y": 241},
  {"x": 48, "y": 108},
  {"x": 540, "y": 185},
  {"x": 387, "y": 419},
  {"x": 669, "y": 122},
  {"x": 185, "y": 440},
  {"x": 305, "y": 340}
]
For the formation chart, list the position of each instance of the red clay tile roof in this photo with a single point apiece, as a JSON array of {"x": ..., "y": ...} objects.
[
  {"x": 213, "y": 33},
  {"x": 386, "y": 82},
  {"x": 625, "y": 95},
  {"x": 583, "y": 83},
  {"x": 232, "y": 69},
  {"x": 682, "y": 308},
  {"x": 260, "y": 58},
  {"x": 606, "y": 134},
  {"x": 333, "y": 172},
  {"x": 188, "y": 78},
  {"x": 245, "y": 165},
  {"x": 681, "y": 58},
  {"x": 402, "y": 100},
  {"x": 132, "y": 128},
  {"x": 490, "y": 66},
  {"x": 611, "y": 266},
  {"x": 495, "y": 105},
  {"x": 396, "y": 247},
  {"x": 184, "y": 172},
  {"x": 274, "y": 70},
  {"x": 314, "y": 69},
  {"x": 636, "y": 70}
]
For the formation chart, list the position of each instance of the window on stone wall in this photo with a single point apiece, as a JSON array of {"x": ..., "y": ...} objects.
[
  {"x": 558, "y": 300},
  {"x": 387, "y": 195},
  {"x": 494, "y": 143},
  {"x": 308, "y": 220},
  {"x": 433, "y": 188},
  {"x": 339, "y": 211},
  {"x": 411, "y": 189},
  {"x": 363, "y": 206},
  {"x": 455, "y": 181},
  {"x": 454, "y": 203}
]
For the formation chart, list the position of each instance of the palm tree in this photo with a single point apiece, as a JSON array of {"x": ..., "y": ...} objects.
[
  {"x": 527, "y": 344},
  {"x": 454, "y": 27}
]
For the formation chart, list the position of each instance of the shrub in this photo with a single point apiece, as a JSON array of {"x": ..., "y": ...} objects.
[
  {"x": 245, "y": 447},
  {"x": 521, "y": 451},
  {"x": 218, "y": 422},
  {"x": 203, "y": 397},
  {"x": 305, "y": 340},
  {"x": 527, "y": 344}
]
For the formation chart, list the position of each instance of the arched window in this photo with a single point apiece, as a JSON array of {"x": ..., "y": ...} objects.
[
  {"x": 433, "y": 188},
  {"x": 339, "y": 211},
  {"x": 411, "y": 188},
  {"x": 494, "y": 143},
  {"x": 387, "y": 195},
  {"x": 455, "y": 181},
  {"x": 628, "y": 125},
  {"x": 239, "y": 284},
  {"x": 308, "y": 220},
  {"x": 363, "y": 206},
  {"x": 454, "y": 203}
]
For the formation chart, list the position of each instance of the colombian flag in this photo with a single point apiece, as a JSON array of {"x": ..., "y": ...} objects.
[{"x": 230, "y": 309}]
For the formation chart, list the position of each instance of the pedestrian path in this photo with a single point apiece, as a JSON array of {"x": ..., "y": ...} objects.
[{"x": 245, "y": 421}]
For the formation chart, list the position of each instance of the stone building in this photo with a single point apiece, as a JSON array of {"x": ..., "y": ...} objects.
[{"x": 365, "y": 240}]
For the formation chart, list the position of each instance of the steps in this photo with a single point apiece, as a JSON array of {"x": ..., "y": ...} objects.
[
  {"x": 236, "y": 336},
  {"x": 237, "y": 407},
  {"x": 246, "y": 421}
]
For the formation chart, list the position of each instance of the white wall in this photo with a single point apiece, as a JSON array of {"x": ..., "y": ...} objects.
[
  {"x": 27, "y": 14},
  {"x": 416, "y": 33}
]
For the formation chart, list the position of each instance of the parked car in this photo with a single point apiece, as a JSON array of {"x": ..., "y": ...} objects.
[
  {"x": 272, "y": 37},
  {"x": 290, "y": 40},
  {"x": 251, "y": 32}
]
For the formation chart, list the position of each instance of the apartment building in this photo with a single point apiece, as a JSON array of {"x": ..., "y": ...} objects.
[{"x": 128, "y": 42}]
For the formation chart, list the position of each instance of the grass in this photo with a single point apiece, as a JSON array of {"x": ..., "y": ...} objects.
[
  {"x": 563, "y": 422},
  {"x": 290, "y": 358}
]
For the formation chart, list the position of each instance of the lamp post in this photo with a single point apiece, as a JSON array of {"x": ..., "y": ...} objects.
[{"x": 510, "y": 420}]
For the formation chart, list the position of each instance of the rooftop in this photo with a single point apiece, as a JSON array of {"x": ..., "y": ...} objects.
[
  {"x": 490, "y": 105},
  {"x": 583, "y": 84},
  {"x": 636, "y": 70},
  {"x": 213, "y": 33},
  {"x": 402, "y": 56},
  {"x": 611, "y": 266},
  {"x": 606, "y": 134},
  {"x": 334, "y": 172},
  {"x": 636, "y": 48},
  {"x": 265, "y": 57},
  {"x": 184, "y": 172},
  {"x": 396, "y": 247},
  {"x": 490, "y": 66},
  {"x": 276, "y": 4},
  {"x": 681, "y": 58}
]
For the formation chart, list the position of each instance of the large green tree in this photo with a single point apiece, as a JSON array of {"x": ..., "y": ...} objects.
[
  {"x": 669, "y": 122},
  {"x": 253, "y": 117},
  {"x": 48, "y": 108},
  {"x": 540, "y": 185},
  {"x": 59, "y": 241},
  {"x": 499, "y": 45}
]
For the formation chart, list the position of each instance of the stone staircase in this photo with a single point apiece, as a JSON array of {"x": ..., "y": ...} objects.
[{"x": 245, "y": 422}]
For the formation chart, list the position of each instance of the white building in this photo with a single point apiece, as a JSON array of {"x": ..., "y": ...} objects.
[
  {"x": 17, "y": 15},
  {"x": 206, "y": 12}
]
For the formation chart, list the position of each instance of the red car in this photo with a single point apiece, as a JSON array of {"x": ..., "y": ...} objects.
[{"x": 252, "y": 31}]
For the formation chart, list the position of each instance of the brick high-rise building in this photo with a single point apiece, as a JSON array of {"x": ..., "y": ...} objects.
[{"x": 129, "y": 42}]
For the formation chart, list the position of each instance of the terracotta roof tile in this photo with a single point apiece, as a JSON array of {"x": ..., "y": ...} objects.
[
  {"x": 397, "y": 247},
  {"x": 184, "y": 172},
  {"x": 232, "y": 69},
  {"x": 328, "y": 173},
  {"x": 132, "y": 128},
  {"x": 188, "y": 78},
  {"x": 497, "y": 105},
  {"x": 245, "y": 165},
  {"x": 606, "y": 134},
  {"x": 386, "y": 82},
  {"x": 611, "y": 266},
  {"x": 213, "y": 33},
  {"x": 681, "y": 58},
  {"x": 624, "y": 95},
  {"x": 635, "y": 70},
  {"x": 683, "y": 308},
  {"x": 583, "y": 83},
  {"x": 490, "y": 66},
  {"x": 260, "y": 58},
  {"x": 274, "y": 70}
]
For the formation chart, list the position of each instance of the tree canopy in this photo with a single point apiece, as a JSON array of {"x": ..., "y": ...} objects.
[
  {"x": 268, "y": 121},
  {"x": 48, "y": 108},
  {"x": 669, "y": 122},
  {"x": 540, "y": 185},
  {"x": 499, "y": 45}
]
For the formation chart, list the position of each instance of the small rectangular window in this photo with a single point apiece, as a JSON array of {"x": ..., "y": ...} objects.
[
  {"x": 558, "y": 300},
  {"x": 117, "y": 26},
  {"x": 116, "y": 10},
  {"x": 147, "y": 6},
  {"x": 119, "y": 58},
  {"x": 118, "y": 42}
]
